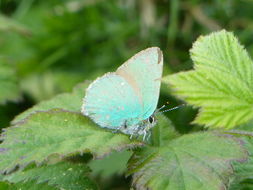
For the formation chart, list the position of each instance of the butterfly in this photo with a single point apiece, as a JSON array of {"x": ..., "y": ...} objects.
[{"x": 126, "y": 100}]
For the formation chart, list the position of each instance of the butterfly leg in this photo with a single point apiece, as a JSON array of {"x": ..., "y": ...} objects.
[
  {"x": 135, "y": 133},
  {"x": 144, "y": 136},
  {"x": 149, "y": 134}
]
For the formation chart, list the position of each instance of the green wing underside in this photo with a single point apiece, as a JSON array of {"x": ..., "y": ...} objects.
[
  {"x": 128, "y": 96},
  {"x": 110, "y": 101}
]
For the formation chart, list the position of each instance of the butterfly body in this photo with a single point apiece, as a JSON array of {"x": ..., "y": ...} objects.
[{"x": 125, "y": 100}]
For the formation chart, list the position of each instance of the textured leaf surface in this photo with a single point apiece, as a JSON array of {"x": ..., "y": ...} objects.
[
  {"x": 61, "y": 175},
  {"x": 67, "y": 101},
  {"x": 224, "y": 103},
  {"x": 57, "y": 132},
  {"x": 8, "y": 84},
  {"x": 244, "y": 171},
  {"x": 163, "y": 132},
  {"x": 32, "y": 185},
  {"x": 222, "y": 51},
  {"x": 28, "y": 185},
  {"x": 114, "y": 164},
  {"x": 221, "y": 83},
  {"x": 196, "y": 161}
]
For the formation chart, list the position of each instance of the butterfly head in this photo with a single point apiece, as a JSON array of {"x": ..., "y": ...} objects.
[{"x": 151, "y": 121}]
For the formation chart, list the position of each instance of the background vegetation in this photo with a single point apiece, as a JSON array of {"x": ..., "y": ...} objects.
[{"x": 47, "y": 47}]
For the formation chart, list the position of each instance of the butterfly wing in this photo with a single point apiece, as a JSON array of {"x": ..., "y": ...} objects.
[
  {"x": 128, "y": 95},
  {"x": 143, "y": 72},
  {"x": 110, "y": 101}
]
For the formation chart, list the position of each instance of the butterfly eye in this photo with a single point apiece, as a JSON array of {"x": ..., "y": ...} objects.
[{"x": 151, "y": 119}]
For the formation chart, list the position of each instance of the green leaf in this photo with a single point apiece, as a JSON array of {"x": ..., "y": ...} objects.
[
  {"x": 8, "y": 84},
  {"x": 28, "y": 185},
  {"x": 63, "y": 175},
  {"x": 114, "y": 164},
  {"x": 66, "y": 101},
  {"x": 224, "y": 100},
  {"x": 222, "y": 51},
  {"x": 57, "y": 132},
  {"x": 194, "y": 161},
  {"x": 221, "y": 83},
  {"x": 244, "y": 171},
  {"x": 32, "y": 185},
  {"x": 163, "y": 132}
]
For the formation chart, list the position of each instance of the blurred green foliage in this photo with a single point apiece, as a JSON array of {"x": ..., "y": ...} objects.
[{"x": 53, "y": 45}]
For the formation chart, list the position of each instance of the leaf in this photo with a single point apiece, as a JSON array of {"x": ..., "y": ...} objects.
[
  {"x": 114, "y": 164},
  {"x": 63, "y": 175},
  {"x": 194, "y": 161},
  {"x": 66, "y": 101},
  {"x": 242, "y": 179},
  {"x": 28, "y": 185},
  {"x": 222, "y": 51},
  {"x": 32, "y": 185},
  {"x": 57, "y": 132},
  {"x": 8, "y": 84},
  {"x": 244, "y": 171},
  {"x": 224, "y": 100},
  {"x": 163, "y": 132},
  {"x": 221, "y": 83}
]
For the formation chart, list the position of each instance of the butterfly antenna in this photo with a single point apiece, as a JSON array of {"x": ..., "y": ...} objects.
[
  {"x": 160, "y": 108},
  {"x": 158, "y": 111}
]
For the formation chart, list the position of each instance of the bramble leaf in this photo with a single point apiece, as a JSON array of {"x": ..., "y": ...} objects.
[
  {"x": 30, "y": 185},
  {"x": 114, "y": 164},
  {"x": 63, "y": 175},
  {"x": 163, "y": 132},
  {"x": 224, "y": 100},
  {"x": 194, "y": 161},
  {"x": 221, "y": 84},
  {"x": 244, "y": 171},
  {"x": 57, "y": 132},
  {"x": 66, "y": 101},
  {"x": 222, "y": 51}
]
